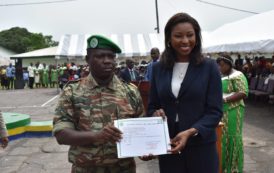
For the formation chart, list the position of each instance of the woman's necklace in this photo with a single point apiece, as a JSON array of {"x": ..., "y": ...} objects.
[
  {"x": 181, "y": 74},
  {"x": 181, "y": 70}
]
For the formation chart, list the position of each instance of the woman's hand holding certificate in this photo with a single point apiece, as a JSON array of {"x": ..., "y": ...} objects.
[{"x": 142, "y": 137}]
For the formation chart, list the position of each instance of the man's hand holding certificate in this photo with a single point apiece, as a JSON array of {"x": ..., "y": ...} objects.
[{"x": 143, "y": 136}]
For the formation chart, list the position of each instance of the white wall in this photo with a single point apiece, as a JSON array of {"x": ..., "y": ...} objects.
[{"x": 4, "y": 56}]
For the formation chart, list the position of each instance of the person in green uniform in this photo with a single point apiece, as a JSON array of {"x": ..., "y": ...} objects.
[
  {"x": 53, "y": 76},
  {"x": 87, "y": 109},
  {"x": 60, "y": 70},
  {"x": 235, "y": 89}
]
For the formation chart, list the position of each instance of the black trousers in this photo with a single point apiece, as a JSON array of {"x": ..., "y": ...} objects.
[
  {"x": 193, "y": 159},
  {"x": 31, "y": 81},
  {"x": 10, "y": 82}
]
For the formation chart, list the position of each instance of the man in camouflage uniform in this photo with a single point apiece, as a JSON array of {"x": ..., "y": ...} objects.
[
  {"x": 3, "y": 132},
  {"x": 86, "y": 111}
]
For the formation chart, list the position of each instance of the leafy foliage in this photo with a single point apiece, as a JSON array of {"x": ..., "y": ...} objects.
[{"x": 20, "y": 40}]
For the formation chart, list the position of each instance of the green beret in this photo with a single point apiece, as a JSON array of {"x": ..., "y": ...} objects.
[{"x": 101, "y": 42}]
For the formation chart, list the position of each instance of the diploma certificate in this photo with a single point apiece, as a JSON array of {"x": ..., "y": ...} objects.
[{"x": 142, "y": 136}]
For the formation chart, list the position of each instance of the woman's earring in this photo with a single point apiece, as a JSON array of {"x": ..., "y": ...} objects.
[{"x": 168, "y": 44}]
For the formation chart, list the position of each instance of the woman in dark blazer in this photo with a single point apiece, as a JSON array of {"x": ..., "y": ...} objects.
[{"x": 186, "y": 88}]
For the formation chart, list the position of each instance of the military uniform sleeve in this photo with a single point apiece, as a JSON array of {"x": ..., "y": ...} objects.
[
  {"x": 3, "y": 130},
  {"x": 64, "y": 112},
  {"x": 137, "y": 102}
]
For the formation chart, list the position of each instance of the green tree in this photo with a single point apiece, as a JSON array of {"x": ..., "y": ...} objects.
[{"x": 21, "y": 40}]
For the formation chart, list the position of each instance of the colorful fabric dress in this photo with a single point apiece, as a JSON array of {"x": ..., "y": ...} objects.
[{"x": 232, "y": 141}]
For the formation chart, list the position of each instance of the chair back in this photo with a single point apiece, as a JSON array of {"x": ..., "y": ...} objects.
[
  {"x": 261, "y": 85},
  {"x": 143, "y": 87},
  {"x": 253, "y": 83},
  {"x": 270, "y": 86}
]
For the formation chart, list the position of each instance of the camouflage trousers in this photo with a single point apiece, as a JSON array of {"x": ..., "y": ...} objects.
[{"x": 116, "y": 168}]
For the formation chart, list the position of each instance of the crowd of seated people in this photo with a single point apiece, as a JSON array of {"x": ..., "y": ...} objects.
[{"x": 259, "y": 72}]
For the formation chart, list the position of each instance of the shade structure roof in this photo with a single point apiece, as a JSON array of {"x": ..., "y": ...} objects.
[
  {"x": 73, "y": 46},
  {"x": 252, "y": 34},
  {"x": 46, "y": 52}
]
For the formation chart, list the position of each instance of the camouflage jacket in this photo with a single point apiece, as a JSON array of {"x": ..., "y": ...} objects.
[{"x": 86, "y": 106}]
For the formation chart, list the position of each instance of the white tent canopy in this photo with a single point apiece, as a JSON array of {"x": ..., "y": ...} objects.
[
  {"x": 46, "y": 52},
  {"x": 74, "y": 46},
  {"x": 252, "y": 34}
]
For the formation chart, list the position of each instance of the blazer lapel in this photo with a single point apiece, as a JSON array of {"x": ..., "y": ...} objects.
[
  {"x": 191, "y": 74},
  {"x": 169, "y": 78}
]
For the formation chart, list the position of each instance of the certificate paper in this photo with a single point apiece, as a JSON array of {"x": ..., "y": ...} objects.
[
  {"x": 225, "y": 95},
  {"x": 142, "y": 136}
]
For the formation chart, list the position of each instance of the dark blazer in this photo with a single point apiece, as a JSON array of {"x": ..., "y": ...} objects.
[
  {"x": 125, "y": 76},
  {"x": 199, "y": 102}
]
